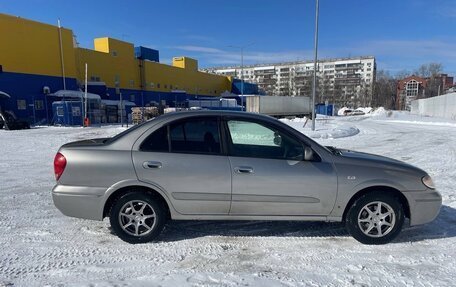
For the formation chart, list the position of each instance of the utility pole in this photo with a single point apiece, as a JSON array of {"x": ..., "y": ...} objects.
[
  {"x": 62, "y": 62},
  {"x": 121, "y": 109},
  {"x": 61, "y": 54},
  {"x": 314, "y": 90},
  {"x": 85, "y": 97}
]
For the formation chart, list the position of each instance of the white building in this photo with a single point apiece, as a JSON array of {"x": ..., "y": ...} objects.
[{"x": 344, "y": 81}]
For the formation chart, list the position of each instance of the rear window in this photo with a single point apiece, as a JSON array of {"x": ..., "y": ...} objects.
[{"x": 125, "y": 132}]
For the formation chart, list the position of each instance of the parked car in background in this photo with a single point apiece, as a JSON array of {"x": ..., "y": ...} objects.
[
  {"x": 9, "y": 122},
  {"x": 219, "y": 165}
]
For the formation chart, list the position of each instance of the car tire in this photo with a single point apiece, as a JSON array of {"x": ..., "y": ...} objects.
[
  {"x": 368, "y": 225},
  {"x": 137, "y": 217}
]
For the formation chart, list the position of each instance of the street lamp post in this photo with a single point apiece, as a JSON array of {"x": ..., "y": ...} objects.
[
  {"x": 242, "y": 70},
  {"x": 314, "y": 88},
  {"x": 242, "y": 78}
]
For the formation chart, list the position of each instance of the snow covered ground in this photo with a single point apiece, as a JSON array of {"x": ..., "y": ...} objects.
[{"x": 40, "y": 246}]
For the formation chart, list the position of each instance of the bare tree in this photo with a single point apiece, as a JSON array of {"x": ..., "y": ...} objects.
[
  {"x": 401, "y": 74},
  {"x": 431, "y": 72},
  {"x": 384, "y": 92}
]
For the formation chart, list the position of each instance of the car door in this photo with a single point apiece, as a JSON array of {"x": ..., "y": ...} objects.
[
  {"x": 185, "y": 159},
  {"x": 270, "y": 175}
]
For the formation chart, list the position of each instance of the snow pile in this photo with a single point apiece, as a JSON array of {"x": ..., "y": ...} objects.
[
  {"x": 341, "y": 111},
  {"x": 365, "y": 110},
  {"x": 379, "y": 112},
  {"x": 325, "y": 127}
]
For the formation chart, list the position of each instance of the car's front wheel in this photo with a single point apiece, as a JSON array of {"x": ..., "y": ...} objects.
[
  {"x": 137, "y": 217},
  {"x": 375, "y": 218}
]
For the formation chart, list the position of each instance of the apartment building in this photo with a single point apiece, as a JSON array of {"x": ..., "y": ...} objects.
[{"x": 342, "y": 81}]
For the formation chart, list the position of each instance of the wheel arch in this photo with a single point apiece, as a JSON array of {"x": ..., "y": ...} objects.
[
  {"x": 114, "y": 195},
  {"x": 379, "y": 188}
]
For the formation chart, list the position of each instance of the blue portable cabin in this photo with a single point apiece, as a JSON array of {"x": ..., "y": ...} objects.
[
  {"x": 324, "y": 109},
  {"x": 70, "y": 109},
  {"x": 67, "y": 113}
]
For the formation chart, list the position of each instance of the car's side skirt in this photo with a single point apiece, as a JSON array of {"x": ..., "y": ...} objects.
[{"x": 256, "y": 217}]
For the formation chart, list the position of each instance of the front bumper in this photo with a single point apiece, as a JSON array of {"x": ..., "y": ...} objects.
[
  {"x": 424, "y": 205},
  {"x": 79, "y": 201}
]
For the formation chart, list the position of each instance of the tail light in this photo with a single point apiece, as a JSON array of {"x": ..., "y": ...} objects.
[{"x": 59, "y": 165}]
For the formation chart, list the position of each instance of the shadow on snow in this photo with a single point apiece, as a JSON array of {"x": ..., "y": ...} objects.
[{"x": 444, "y": 226}]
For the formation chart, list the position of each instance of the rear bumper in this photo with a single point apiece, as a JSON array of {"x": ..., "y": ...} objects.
[
  {"x": 81, "y": 202},
  {"x": 424, "y": 205}
]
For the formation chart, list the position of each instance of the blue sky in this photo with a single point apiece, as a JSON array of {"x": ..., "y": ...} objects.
[{"x": 401, "y": 34}]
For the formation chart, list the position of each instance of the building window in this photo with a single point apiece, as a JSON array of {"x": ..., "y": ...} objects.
[
  {"x": 39, "y": 105},
  {"x": 171, "y": 87},
  {"x": 21, "y": 105},
  {"x": 60, "y": 112},
  {"x": 166, "y": 86},
  {"x": 132, "y": 83},
  {"x": 411, "y": 88},
  {"x": 158, "y": 85},
  {"x": 114, "y": 53}
]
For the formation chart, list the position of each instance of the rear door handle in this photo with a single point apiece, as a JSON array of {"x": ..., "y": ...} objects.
[
  {"x": 152, "y": 164},
  {"x": 243, "y": 169}
]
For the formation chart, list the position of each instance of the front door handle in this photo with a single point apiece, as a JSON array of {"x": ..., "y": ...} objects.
[
  {"x": 152, "y": 164},
  {"x": 243, "y": 169}
]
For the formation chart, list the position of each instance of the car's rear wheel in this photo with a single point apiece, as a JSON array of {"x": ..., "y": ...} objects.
[
  {"x": 375, "y": 218},
  {"x": 137, "y": 217}
]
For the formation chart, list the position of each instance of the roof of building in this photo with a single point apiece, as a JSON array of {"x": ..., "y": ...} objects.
[{"x": 291, "y": 63}]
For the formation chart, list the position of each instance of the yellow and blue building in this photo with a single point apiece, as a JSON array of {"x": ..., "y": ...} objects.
[{"x": 37, "y": 60}]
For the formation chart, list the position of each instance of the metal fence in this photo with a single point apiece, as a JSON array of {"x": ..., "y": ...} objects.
[{"x": 442, "y": 106}]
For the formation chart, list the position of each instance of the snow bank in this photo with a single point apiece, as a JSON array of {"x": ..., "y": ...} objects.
[
  {"x": 408, "y": 118},
  {"x": 379, "y": 112},
  {"x": 335, "y": 133}
]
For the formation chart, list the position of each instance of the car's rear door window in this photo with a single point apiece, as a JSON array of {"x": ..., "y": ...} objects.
[
  {"x": 196, "y": 136},
  {"x": 157, "y": 141}
]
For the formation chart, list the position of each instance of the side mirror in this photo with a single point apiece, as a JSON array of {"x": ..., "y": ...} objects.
[
  {"x": 308, "y": 154},
  {"x": 277, "y": 139}
]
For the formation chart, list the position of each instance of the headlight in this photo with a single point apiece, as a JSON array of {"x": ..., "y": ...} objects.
[{"x": 427, "y": 181}]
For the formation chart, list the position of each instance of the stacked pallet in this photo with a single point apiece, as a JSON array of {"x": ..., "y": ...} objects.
[{"x": 140, "y": 114}]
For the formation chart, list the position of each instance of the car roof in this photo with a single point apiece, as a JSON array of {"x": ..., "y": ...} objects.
[{"x": 193, "y": 113}]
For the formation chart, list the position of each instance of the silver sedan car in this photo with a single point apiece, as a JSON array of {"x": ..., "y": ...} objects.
[{"x": 219, "y": 165}]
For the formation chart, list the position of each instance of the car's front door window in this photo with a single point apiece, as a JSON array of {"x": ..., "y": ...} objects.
[{"x": 251, "y": 139}]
